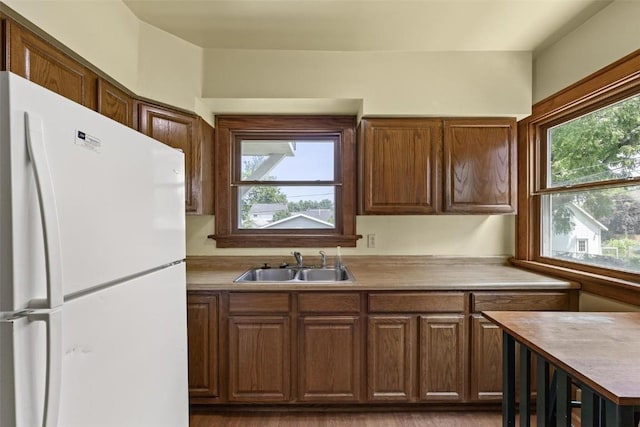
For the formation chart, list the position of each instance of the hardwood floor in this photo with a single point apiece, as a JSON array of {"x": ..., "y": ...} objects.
[{"x": 348, "y": 419}]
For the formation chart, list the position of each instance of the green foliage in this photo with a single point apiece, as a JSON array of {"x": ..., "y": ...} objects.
[
  {"x": 625, "y": 247},
  {"x": 599, "y": 146},
  {"x": 602, "y": 145}
]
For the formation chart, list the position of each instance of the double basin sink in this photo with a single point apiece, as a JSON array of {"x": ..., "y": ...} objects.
[{"x": 296, "y": 274}]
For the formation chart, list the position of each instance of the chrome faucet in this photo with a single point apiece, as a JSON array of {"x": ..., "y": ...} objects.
[
  {"x": 323, "y": 259},
  {"x": 298, "y": 256}
]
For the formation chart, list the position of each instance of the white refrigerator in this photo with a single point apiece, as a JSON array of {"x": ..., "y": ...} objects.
[{"x": 92, "y": 272}]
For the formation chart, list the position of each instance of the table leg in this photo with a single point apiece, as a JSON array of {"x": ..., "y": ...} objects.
[
  {"x": 590, "y": 408},
  {"x": 543, "y": 409},
  {"x": 508, "y": 380},
  {"x": 525, "y": 386},
  {"x": 563, "y": 399},
  {"x": 618, "y": 416}
]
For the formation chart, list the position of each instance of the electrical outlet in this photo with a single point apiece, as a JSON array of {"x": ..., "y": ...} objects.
[{"x": 371, "y": 240}]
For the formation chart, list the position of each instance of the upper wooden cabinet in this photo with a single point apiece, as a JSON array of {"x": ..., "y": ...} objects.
[
  {"x": 194, "y": 137},
  {"x": 115, "y": 103},
  {"x": 480, "y": 165},
  {"x": 398, "y": 166},
  {"x": 431, "y": 165},
  {"x": 31, "y": 57}
]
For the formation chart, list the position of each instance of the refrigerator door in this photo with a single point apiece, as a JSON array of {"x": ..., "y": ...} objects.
[
  {"x": 119, "y": 197},
  {"x": 125, "y": 354},
  {"x": 124, "y": 358}
]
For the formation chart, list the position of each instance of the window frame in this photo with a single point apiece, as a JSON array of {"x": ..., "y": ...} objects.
[
  {"x": 230, "y": 130},
  {"x": 612, "y": 84}
]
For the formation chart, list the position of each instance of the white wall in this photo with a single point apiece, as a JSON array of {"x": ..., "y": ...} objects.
[
  {"x": 148, "y": 61},
  {"x": 389, "y": 83},
  {"x": 591, "y": 302},
  {"x": 603, "y": 39},
  {"x": 104, "y": 33},
  {"x": 455, "y": 235},
  {"x": 170, "y": 69}
]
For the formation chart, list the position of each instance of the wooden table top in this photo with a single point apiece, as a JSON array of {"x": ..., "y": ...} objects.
[{"x": 600, "y": 350}]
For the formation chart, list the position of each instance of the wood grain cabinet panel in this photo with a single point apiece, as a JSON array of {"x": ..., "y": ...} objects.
[
  {"x": 115, "y": 103},
  {"x": 480, "y": 165},
  {"x": 259, "y": 359},
  {"x": 486, "y": 367},
  {"x": 181, "y": 130},
  {"x": 38, "y": 61},
  {"x": 329, "y": 368},
  {"x": 399, "y": 166},
  {"x": 202, "y": 333},
  {"x": 442, "y": 357},
  {"x": 390, "y": 356}
]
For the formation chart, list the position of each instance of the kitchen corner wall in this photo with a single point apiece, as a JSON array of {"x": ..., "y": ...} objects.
[
  {"x": 146, "y": 60},
  {"x": 608, "y": 36}
]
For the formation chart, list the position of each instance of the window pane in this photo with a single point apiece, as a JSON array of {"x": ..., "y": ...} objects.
[
  {"x": 601, "y": 145},
  {"x": 597, "y": 227},
  {"x": 286, "y": 207},
  {"x": 271, "y": 160}
]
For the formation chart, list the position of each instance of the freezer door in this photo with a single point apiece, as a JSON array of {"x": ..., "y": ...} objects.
[{"x": 119, "y": 196}]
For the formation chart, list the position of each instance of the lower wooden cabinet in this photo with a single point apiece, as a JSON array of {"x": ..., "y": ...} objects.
[
  {"x": 486, "y": 360},
  {"x": 486, "y": 338},
  {"x": 202, "y": 339},
  {"x": 329, "y": 367},
  {"x": 351, "y": 347},
  {"x": 436, "y": 342},
  {"x": 259, "y": 362},
  {"x": 442, "y": 355},
  {"x": 391, "y": 351}
]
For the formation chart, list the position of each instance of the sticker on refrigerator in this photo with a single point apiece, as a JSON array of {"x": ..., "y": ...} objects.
[{"x": 87, "y": 141}]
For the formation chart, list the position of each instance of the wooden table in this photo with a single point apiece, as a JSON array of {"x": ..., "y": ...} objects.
[{"x": 599, "y": 352}]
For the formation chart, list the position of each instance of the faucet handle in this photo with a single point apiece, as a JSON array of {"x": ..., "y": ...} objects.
[{"x": 323, "y": 259}]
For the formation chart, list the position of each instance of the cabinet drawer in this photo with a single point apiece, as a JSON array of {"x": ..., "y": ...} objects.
[
  {"x": 259, "y": 303},
  {"x": 418, "y": 302},
  {"x": 482, "y": 301},
  {"x": 329, "y": 302}
]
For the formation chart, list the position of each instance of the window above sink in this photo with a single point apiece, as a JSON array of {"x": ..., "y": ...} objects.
[{"x": 285, "y": 181}]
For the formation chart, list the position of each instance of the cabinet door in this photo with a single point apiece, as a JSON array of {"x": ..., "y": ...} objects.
[
  {"x": 480, "y": 165},
  {"x": 115, "y": 103},
  {"x": 202, "y": 332},
  {"x": 179, "y": 131},
  {"x": 390, "y": 350},
  {"x": 399, "y": 166},
  {"x": 38, "y": 61},
  {"x": 442, "y": 357},
  {"x": 329, "y": 365},
  {"x": 486, "y": 359},
  {"x": 259, "y": 359}
]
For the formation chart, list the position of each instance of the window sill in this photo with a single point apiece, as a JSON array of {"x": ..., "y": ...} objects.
[
  {"x": 610, "y": 287},
  {"x": 284, "y": 241}
]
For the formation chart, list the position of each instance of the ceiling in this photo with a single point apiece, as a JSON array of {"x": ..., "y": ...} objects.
[{"x": 368, "y": 25}]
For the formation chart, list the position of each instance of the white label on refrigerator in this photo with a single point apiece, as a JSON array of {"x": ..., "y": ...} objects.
[{"x": 85, "y": 140}]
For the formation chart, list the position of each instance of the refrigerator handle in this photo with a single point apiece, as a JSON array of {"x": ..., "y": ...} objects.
[
  {"x": 48, "y": 211},
  {"x": 53, "y": 320}
]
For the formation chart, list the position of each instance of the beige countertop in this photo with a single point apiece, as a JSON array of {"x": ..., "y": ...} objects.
[{"x": 378, "y": 273}]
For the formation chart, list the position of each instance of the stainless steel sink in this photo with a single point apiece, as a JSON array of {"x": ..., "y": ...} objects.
[
  {"x": 267, "y": 275},
  {"x": 323, "y": 275},
  {"x": 301, "y": 275}
]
